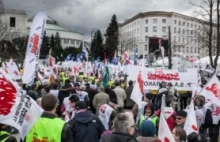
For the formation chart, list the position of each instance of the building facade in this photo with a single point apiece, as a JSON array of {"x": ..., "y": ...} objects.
[
  {"x": 138, "y": 30},
  {"x": 68, "y": 38},
  {"x": 13, "y": 23}
]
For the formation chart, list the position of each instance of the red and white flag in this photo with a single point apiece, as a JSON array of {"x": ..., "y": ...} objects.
[
  {"x": 195, "y": 91},
  {"x": 12, "y": 69},
  {"x": 33, "y": 47},
  {"x": 191, "y": 122},
  {"x": 137, "y": 92},
  {"x": 164, "y": 133},
  {"x": 16, "y": 108},
  {"x": 212, "y": 91}
]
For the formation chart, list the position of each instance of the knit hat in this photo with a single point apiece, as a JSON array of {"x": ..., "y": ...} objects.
[
  {"x": 181, "y": 113},
  {"x": 80, "y": 105},
  {"x": 147, "y": 129}
]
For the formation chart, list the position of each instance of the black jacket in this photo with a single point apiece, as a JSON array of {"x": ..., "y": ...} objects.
[
  {"x": 86, "y": 127},
  {"x": 66, "y": 132},
  {"x": 118, "y": 137}
]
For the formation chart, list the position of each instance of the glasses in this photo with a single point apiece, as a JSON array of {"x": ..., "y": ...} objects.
[
  {"x": 133, "y": 126},
  {"x": 178, "y": 118}
]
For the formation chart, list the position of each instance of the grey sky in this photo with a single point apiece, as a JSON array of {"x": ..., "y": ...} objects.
[{"x": 83, "y": 15}]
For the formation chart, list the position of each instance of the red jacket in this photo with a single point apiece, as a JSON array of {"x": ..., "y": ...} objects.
[{"x": 170, "y": 121}]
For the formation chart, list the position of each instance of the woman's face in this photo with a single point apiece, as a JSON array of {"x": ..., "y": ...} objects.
[
  {"x": 174, "y": 134},
  {"x": 148, "y": 112},
  {"x": 198, "y": 102}
]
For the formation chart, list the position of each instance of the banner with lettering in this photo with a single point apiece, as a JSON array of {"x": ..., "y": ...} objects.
[
  {"x": 153, "y": 77},
  {"x": 16, "y": 108},
  {"x": 33, "y": 47}
]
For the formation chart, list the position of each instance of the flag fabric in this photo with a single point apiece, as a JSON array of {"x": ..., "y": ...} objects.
[
  {"x": 33, "y": 47},
  {"x": 195, "y": 91},
  {"x": 115, "y": 59},
  {"x": 105, "y": 77},
  {"x": 85, "y": 50},
  {"x": 68, "y": 57},
  {"x": 12, "y": 70},
  {"x": 164, "y": 133},
  {"x": 16, "y": 108},
  {"x": 136, "y": 56},
  {"x": 52, "y": 61},
  {"x": 191, "y": 122},
  {"x": 211, "y": 91},
  {"x": 137, "y": 92},
  {"x": 126, "y": 57}
]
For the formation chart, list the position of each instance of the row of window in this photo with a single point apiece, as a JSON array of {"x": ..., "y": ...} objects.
[
  {"x": 70, "y": 41},
  {"x": 186, "y": 49},
  {"x": 164, "y": 29},
  {"x": 183, "y": 32},
  {"x": 185, "y": 40},
  {"x": 185, "y": 24},
  {"x": 132, "y": 25},
  {"x": 155, "y": 21}
]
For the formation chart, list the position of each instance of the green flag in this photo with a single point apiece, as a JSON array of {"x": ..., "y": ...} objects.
[{"x": 105, "y": 77}]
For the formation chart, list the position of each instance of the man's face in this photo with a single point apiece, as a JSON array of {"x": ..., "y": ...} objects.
[
  {"x": 180, "y": 120},
  {"x": 73, "y": 104}
]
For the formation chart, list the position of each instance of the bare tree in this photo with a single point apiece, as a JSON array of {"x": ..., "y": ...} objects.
[{"x": 127, "y": 42}]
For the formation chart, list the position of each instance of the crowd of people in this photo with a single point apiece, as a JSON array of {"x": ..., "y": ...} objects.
[{"x": 81, "y": 109}]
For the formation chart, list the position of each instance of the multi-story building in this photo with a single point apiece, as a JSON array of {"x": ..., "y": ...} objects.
[
  {"x": 13, "y": 23},
  {"x": 139, "y": 29}
]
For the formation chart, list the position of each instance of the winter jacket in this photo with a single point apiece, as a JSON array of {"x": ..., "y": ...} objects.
[
  {"x": 6, "y": 137},
  {"x": 86, "y": 127},
  {"x": 33, "y": 94},
  {"x": 118, "y": 137},
  {"x": 112, "y": 95},
  {"x": 128, "y": 101},
  {"x": 99, "y": 100},
  {"x": 121, "y": 96},
  {"x": 146, "y": 139}
]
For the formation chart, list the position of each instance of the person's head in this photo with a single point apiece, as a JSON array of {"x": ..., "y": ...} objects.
[
  {"x": 67, "y": 82},
  {"x": 80, "y": 105},
  {"x": 47, "y": 88},
  {"x": 34, "y": 86},
  {"x": 73, "y": 100},
  {"x": 181, "y": 117},
  {"x": 148, "y": 97},
  {"x": 91, "y": 74},
  {"x": 149, "y": 109},
  {"x": 130, "y": 83},
  {"x": 124, "y": 123},
  {"x": 179, "y": 134},
  {"x": 87, "y": 85},
  {"x": 169, "y": 85},
  {"x": 49, "y": 103},
  {"x": 194, "y": 137},
  {"x": 117, "y": 83},
  {"x": 101, "y": 89},
  {"x": 163, "y": 84},
  {"x": 199, "y": 101},
  {"x": 54, "y": 86},
  {"x": 147, "y": 129},
  {"x": 77, "y": 85}
]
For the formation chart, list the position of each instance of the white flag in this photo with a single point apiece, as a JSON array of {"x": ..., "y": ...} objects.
[
  {"x": 16, "y": 108},
  {"x": 211, "y": 91},
  {"x": 13, "y": 71},
  {"x": 137, "y": 92},
  {"x": 33, "y": 47},
  {"x": 191, "y": 122}
]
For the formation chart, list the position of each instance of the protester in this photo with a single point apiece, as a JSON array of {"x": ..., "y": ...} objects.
[
  {"x": 179, "y": 134},
  {"x": 112, "y": 96},
  {"x": 181, "y": 118},
  {"x": 214, "y": 129},
  {"x": 123, "y": 129},
  {"x": 5, "y": 136},
  {"x": 129, "y": 103},
  {"x": 100, "y": 99},
  {"x": 194, "y": 137},
  {"x": 83, "y": 96},
  {"x": 91, "y": 94},
  {"x": 45, "y": 127},
  {"x": 85, "y": 125},
  {"x": 33, "y": 92},
  {"x": 121, "y": 95}
]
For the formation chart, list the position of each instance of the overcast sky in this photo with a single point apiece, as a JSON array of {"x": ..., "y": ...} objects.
[{"x": 84, "y": 15}]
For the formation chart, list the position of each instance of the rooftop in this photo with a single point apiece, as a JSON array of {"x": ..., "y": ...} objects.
[{"x": 10, "y": 11}]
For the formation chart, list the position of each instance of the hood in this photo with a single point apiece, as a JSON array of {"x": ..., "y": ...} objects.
[{"x": 84, "y": 117}]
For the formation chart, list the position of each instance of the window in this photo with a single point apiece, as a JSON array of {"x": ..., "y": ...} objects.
[
  {"x": 183, "y": 31},
  {"x": 191, "y": 33},
  {"x": 146, "y": 29},
  {"x": 183, "y": 49},
  {"x": 154, "y": 29},
  {"x": 195, "y": 50},
  {"x": 12, "y": 21},
  {"x": 164, "y": 36},
  {"x": 195, "y": 33},
  {"x": 174, "y": 21},
  {"x": 191, "y": 25},
  {"x": 174, "y": 30},
  {"x": 137, "y": 30},
  {"x": 175, "y": 48},
  {"x": 174, "y": 39},
  {"x": 164, "y": 20},
  {"x": 179, "y": 39},
  {"x": 179, "y": 31},
  {"x": 195, "y": 26},
  {"x": 146, "y": 38},
  {"x": 187, "y": 32},
  {"x": 146, "y": 47},
  {"x": 154, "y": 21},
  {"x": 183, "y": 40},
  {"x": 77, "y": 42},
  {"x": 184, "y": 23},
  {"x": 154, "y": 35},
  {"x": 191, "y": 49},
  {"x": 187, "y": 40},
  {"x": 73, "y": 42},
  {"x": 187, "y": 24},
  {"x": 187, "y": 49},
  {"x": 179, "y": 23},
  {"x": 164, "y": 29},
  {"x": 66, "y": 41},
  {"x": 137, "y": 22},
  {"x": 146, "y": 21}
]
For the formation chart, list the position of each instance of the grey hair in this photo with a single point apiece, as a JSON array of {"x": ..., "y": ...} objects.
[
  {"x": 101, "y": 89},
  {"x": 122, "y": 122}
]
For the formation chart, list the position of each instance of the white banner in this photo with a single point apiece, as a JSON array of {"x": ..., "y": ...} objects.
[
  {"x": 153, "y": 77},
  {"x": 16, "y": 108},
  {"x": 33, "y": 47}
]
